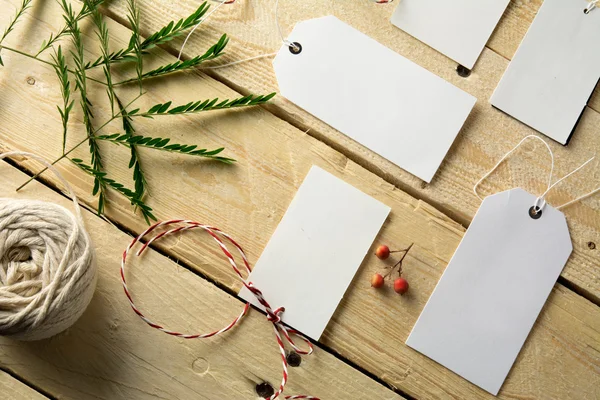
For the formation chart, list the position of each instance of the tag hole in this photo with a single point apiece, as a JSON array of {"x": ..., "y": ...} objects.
[
  {"x": 535, "y": 212},
  {"x": 295, "y": 48},
  {"x": 586, "y": 11},
  {"x": 463, "y": 71},
  {"x": 265, "y": 390},
  {"x": 591, "y": 245}
]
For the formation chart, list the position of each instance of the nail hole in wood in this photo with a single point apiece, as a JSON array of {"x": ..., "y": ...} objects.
[
  {"x": 463, "y": 71},
  {"x": 591, "y": 245},
  {"x": 265, "y": 390},
  {"x": 294, "y": 359}
]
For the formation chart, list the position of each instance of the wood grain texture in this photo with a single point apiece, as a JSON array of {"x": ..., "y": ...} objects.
[
  {"x": 11, "y": 388},
  {"x": 486, "y": 136},
  {"x": 559, "y": 360},
  {"x": 111, "y": 354}
]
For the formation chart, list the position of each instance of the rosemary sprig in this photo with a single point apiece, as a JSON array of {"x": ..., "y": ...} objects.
[
  {"x": 163, "y": 144},
  {"x": 213, "y": 52},
  {"x": 199, "y": 106},
  {"x": 65, "y": 89},
  {"x": 11, "y": 24},
  {"x": 135, "y": 51},
  {"x": 139, "y": 179},
  {"x": 81, "y": 85},
  {"x": 130, "y": 194},
  {"x": 164, "y": 35},
  {"x": 134, "y": 43},
  {"x": 72, "y": 149},
  {"x": 84, "y": 12},
  {"x": 102, "y": 33},
  {"x": 173, "y": 30}
]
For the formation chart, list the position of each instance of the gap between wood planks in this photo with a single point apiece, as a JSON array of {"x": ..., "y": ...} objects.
[
  {"x": 182, "y": 263},
  {"x": 352, "y": 155},
  {"x": 25, "y": 382}
]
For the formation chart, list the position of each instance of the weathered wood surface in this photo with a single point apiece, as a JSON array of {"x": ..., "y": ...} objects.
[
  {"x": 112, "y": 354},
  {"x": 487, "y": 135},
  {"x": 11, "y": 388},
  {"x": 560, "y": 360}
]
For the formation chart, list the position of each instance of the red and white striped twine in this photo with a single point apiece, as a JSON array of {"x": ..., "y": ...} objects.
[{"x": 274, "y": 316}]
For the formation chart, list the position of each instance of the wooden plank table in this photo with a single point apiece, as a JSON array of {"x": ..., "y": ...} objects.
[{"x": 111, "y": 354}]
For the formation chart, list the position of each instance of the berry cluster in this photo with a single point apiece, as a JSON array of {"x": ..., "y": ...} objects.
[{"x": 400, "y": 284}]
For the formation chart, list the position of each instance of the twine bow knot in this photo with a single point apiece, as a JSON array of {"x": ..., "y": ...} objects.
[{"x": 273, "y": 315}]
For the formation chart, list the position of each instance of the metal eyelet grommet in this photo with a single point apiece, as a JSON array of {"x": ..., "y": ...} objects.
[
  {"x": 535, "y": 212},
  {"x": 295, "y": 48}
]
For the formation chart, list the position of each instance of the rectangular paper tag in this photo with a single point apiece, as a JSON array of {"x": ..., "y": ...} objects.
[
  {"x": 555, "y": 70},
  {"x": 458, "y": 28},
  {"x": 372, "y": 94},
  {"x": 491, "y": 293},
  {"x": 315, "y": 251}
]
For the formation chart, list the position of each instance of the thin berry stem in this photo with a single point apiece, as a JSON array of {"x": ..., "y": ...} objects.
[{"x": 399, "y": 263}]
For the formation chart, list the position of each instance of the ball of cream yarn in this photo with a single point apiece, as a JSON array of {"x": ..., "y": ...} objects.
[{"x": 47, "y": 266}]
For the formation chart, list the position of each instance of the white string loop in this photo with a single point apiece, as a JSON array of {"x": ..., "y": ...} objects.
[
  {"x": 539, "y": 205},
  {"x": 283, "y": 39},
  {"x": 508, "y": 154},
  {"x": 286, "y": 42},
  {"x": 591, "y": 5},
  {"x": 201, "y": 21},
  {"x": 540, "y": 201}
]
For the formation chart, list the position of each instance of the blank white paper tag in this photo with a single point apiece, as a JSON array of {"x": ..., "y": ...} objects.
[
  {"x": 491, "y": 293},
  {"x": 372, "y": 94},
  {"x": 458, "y": 28},
  {"x": 315, "y": 251},
  {"x": 555, "y": 70}
]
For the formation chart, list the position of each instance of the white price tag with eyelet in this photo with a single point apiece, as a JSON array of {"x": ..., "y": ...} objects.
[
  {"x": 458, "y": 28},
  {"x": 373, "y": 95},
  {"x": 493, "y": 289},
  {"x": 555, "y": 69},
  {"x": 316, "y": 250}
]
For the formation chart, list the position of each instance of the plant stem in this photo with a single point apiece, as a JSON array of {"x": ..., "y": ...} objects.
[
  {"x": 77, "y": 145},
  {"x": 84, "y": 12},
  {"x": 52, "y": 163},
  {"x": 13, "y": 22},
  {"x": 43, "y": 61},
  {"x": 399, "y": 263},
  {"x": 402, "y": 258}
]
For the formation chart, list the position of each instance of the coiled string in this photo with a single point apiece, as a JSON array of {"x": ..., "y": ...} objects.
[
  {"x": 283, "y": 334},
  {"x": 47, "y": 264}
]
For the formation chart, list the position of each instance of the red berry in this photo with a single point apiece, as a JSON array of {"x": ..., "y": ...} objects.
[
  {"x": 401, "y": 285},
  {"x": 377, "y": 281},
  {"x": 382, "y": 252}
]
